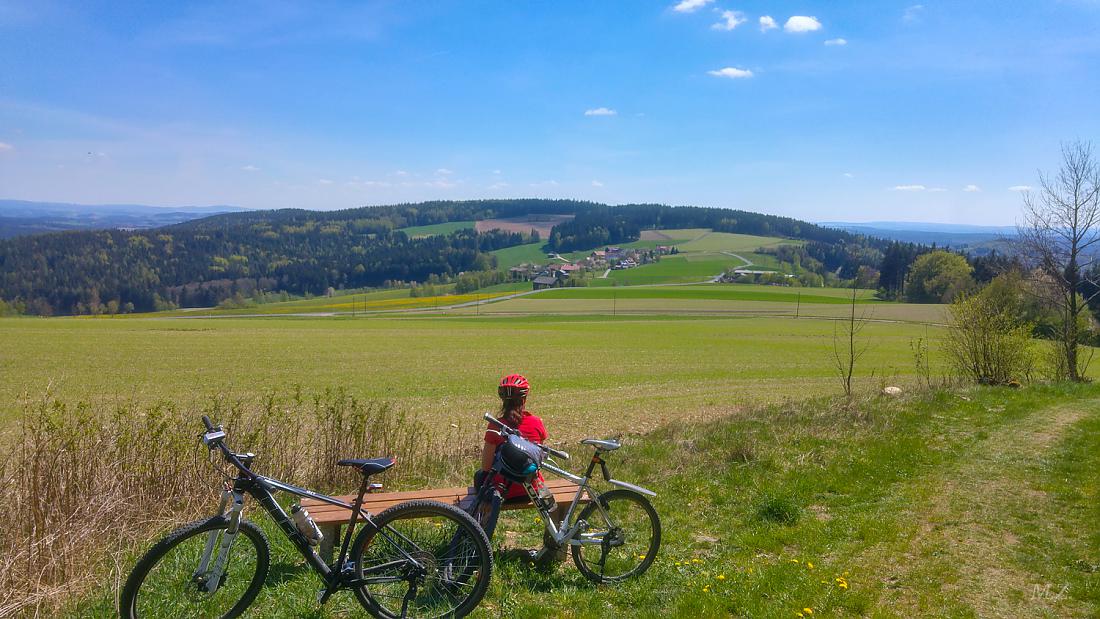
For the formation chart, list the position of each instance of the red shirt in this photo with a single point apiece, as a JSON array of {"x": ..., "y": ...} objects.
[{"x": 530, "y": 427}]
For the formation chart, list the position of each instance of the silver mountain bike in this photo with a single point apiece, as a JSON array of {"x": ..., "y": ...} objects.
[{"x": 614, "y": 537}]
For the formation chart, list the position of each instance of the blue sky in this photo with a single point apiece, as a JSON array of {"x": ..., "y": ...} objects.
[{"x": 841, "y": 111}]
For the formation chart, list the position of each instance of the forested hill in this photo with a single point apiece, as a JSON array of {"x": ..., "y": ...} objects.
[{"x": 204, "y": 261}]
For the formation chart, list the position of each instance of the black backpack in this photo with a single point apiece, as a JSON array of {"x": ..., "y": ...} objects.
[{"x": 520, "y": 459}]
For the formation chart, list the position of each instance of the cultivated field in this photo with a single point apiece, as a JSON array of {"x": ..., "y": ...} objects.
[
  {"x": 542, "y": 223},
  {"x": 617, "y": 373}
]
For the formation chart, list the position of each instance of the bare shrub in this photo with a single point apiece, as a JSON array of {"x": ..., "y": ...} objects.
[
  {"x": 82, "y": 484},
  {"x": 846, "y": 351}
]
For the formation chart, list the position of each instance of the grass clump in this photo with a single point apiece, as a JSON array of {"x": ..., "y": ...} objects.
[{"x": 779, "y": 509}]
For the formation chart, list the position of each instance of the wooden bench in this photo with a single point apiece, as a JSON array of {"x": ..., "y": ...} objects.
[{"x": 331, "y": 518}]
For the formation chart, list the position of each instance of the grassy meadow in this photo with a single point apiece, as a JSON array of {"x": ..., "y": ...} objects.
[
  {"x": 436, "y": 229},
  {"x": 619, "y": 373},
  {"x": 964, "y": 503}
]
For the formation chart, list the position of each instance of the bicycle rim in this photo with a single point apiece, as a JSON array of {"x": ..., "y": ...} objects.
[
  {"x": 450, "y": 548},
  {"x": 621, "y": 538},
  {"x": 172, "y": 585}
]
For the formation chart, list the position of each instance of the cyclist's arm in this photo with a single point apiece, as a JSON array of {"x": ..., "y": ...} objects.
[{"x": 487, "y": 453}]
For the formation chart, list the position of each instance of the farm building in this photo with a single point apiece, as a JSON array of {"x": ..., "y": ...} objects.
[{"x": 545, "y": 281}]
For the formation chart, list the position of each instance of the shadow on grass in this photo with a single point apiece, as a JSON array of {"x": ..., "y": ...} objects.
[{"x": 285, "y": 572}]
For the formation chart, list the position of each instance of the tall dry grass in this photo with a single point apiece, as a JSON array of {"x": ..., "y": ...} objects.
[{"x": 83, "y": 485}]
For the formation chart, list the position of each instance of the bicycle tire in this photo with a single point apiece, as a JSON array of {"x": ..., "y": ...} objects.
[
  {"x": 592, "y": 515},
  {"x": 132, "y": 605},
  {"x": 410, "y": 519}
]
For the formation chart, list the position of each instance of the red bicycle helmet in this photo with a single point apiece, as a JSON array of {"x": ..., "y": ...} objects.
[{"x": 513, "y": 386}]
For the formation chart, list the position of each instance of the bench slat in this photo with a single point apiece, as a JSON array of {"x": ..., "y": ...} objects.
[{"x": 325, "y": 514}]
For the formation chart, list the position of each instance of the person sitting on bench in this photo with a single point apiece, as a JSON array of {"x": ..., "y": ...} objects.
[{"x": 513, "y": 390}]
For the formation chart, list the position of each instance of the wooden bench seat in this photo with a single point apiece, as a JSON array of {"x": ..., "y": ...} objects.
[{"x": 330, "y": 518}]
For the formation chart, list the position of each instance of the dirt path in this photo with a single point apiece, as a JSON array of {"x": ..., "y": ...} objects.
[{"x": 968, "y": 529}]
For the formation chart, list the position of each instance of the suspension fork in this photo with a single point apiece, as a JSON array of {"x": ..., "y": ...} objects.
[{"x": 234, "y": 501}]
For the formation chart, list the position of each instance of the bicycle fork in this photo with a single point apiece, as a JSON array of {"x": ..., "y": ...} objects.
[{"x": 210, "y": 579}]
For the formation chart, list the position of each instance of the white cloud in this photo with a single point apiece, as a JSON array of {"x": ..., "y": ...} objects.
[
  {"x": 400, "y": 173},
  {"x": 496, "y": 171},
  {"x": 4, "y": 147},
  {"x": 731, "y": 73},
  {"x": 837, "y": 41},
  {"x": 600, "y": 111},
  {"x": 250, "y": 168},
  {"x": 730, "y": 20},
  {"x": 1020, "y": 188},
  {"x": 801, "y": 23},
  {"x": 971, "y": 188},
  {"x": 913, "y": 12},
  {"x": 909, "y": 188},
  {"x": 597, "y": 184},
  {"x": 767, "y": 23},
  {"x": 497, "y": 186},
  {"x": 936, "y": 189},
  {"x": 849, "y": 175},
  {"x": 324, "y": 181},
  {"x": 690, "y": 6},
  {"x": 444, "y": 171}
]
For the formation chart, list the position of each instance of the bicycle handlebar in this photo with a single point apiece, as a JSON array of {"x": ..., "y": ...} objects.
[
  {"x": 206, "y": 422},
  {"x": 506, "y": 429}
]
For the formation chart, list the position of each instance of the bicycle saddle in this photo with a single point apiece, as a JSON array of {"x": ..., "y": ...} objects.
[
  {"x": 602, "y": 445},
  {"x": 368, "y": 466}
]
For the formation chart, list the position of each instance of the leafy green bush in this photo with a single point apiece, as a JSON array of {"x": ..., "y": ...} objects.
[{"x": 987, "y": 341}]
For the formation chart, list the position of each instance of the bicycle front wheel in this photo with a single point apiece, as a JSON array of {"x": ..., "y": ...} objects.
[
  {"x": 422, "y": 559},
  {"x": 620, "y": 539},
  {"x": 174, "y": 580}
]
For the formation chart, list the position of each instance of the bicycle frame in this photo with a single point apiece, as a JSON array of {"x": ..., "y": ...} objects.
[
  {"x": 566, "y": 532},
  {"x": 335, "y": 577}
]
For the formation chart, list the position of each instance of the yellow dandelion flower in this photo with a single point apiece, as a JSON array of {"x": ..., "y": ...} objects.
[
  {"x": 696, "y": 561},
  {"x": 677, "y": 564},
  {"x": 808, "y": 611},
  {"x": 794, "y": 561},
  {"x": 706, "y": 588},
  {"x": 810, "y": 565},
  {"x": 721, "y": 577},
  {"x": 799, "y": 614}
]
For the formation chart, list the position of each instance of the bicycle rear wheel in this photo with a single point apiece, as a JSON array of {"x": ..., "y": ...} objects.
[
  {"x": 620, "y": 539},
  {"x": 169, "y": 581},
  {"x": 450, "y": 567}
]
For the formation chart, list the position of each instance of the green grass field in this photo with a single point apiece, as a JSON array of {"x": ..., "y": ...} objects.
[
  {"x": 618, "y": 373},
  {"x": 520, "y": 254},
  {"x": 436, "y": 229},
  {"x": 724, "y": 292}
]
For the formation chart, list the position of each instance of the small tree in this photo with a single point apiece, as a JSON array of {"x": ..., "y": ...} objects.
[
  {"x": 846, "y": 351},
  {"x": 1060, "y": 227},
  {"x": 987, "y": 342}
]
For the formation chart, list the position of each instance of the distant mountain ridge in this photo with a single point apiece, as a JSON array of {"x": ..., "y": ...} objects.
[
  {"x": 22, "y": 217},
  {"x": 958, "y": 236}
]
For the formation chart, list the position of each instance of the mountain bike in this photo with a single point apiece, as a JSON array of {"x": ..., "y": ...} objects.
[
  {"x": 404, "y": 562},
  {"x": 615, "y": 537}
]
